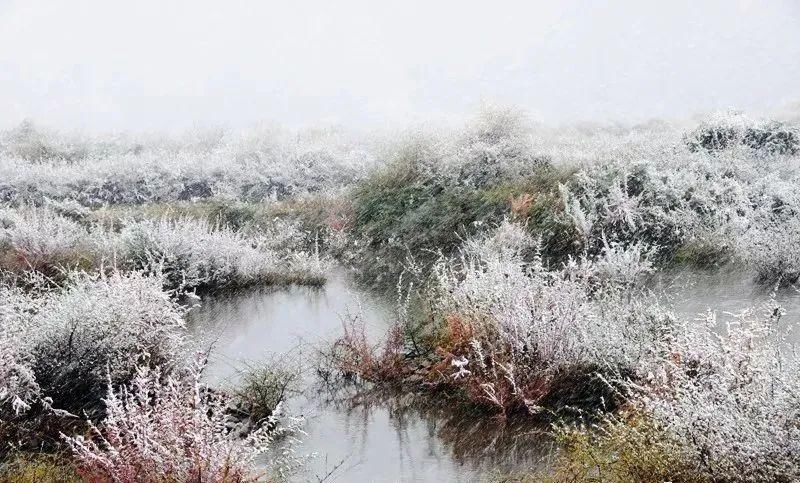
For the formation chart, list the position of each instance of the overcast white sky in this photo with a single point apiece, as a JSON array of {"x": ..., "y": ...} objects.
[{"x": 150, "y": 64}]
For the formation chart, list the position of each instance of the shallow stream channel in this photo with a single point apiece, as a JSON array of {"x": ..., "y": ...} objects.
[{"x": 394, "y": 440}]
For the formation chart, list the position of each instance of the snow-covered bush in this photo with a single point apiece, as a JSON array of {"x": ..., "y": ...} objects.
[
  {"x": 730, "y": 397},
  {"x": 96, "y": 326},
  {"x": 189, "y": 253},
  {"x": 730, "y": 130},
  {"x": 688, "y": 204},
  {"x": 18, "y": 386},
  {"x": 497, "y": 147},
  {"x": 621, "y": 265},
  {"x": 42, "y": 240},
  {"x": 508, "y": 240},
  {"x": 193, "y": 253},
  {"x": 32, "y": 143},
  {"x": 628, "y": 203},
  {"x": 254, "y": 165},
  {"x": 579, "y": 315},
  {"x": 721, "y": 131},
  {"x": 773, "y": 138},
  {"x": 720, "y": 404},
  {"x": 171, "y": 427},
  {"x": 17, "y": 383},
  {"x": 516, "y": 336},
  {"x": 773, "y": 251}
]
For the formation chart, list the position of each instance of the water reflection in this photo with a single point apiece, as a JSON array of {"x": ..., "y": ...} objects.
[
  {"x": 377, "y": 438},
  {"x": 400, "y": 440},
  {"x": 253, "y": 324},
  {"x": 365, "y": 438}
]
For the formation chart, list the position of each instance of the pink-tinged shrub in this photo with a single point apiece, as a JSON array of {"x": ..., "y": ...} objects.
[{"x": 172, "y": 428}]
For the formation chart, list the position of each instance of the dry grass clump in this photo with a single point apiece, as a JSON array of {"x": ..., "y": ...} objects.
[
  {"x": 262, "y": 389},
  {"x": 39, "y": 468},
  {"x": 623, "y": 449},
  {"x": 354, "y": 357}
]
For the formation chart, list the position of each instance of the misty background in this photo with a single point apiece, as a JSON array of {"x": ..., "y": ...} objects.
[{"x": 151, "y": 65}]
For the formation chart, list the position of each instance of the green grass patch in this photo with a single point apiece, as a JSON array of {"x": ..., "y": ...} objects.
[{"x": 404, "y": 212}]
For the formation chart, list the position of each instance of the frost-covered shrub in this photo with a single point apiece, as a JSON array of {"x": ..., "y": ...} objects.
[
  {"x": 42, "y": 240},
  {"x": 171, "y": 427},
  {"x": 506, "y": 240},
  {"x": 516, "y": 336},
  {"x": 402, "y": 212},
  {"x": 773, "y": 138},
  {"x": 98, "y": 326},
  {"x": 254, "y": 165},
  {"x": 551, "y": 318},
  {"x": 496, "y": 147},
  {"x": 188, "y": 253},
  {"x": 720, "y": 132},
  {"x": 18, "y": 386},
  {"x": 773, "y": 251},
  {"x": 731, "y": 399},
  {"x": 623, "y": 265},
  {"x": 627, "y": 204},
  {"x": 35, "y": 144},
  {"x": 729, "y": 130},
  {"x": 437, "y": 188},
  {"x": 689, "y": 205},
  {"x": 193, "y": 253}
]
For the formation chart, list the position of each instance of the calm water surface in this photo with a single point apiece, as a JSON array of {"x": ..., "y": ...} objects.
[
  {"x": 397, "y": 440},
  {"x": 387, "y": 441}
]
